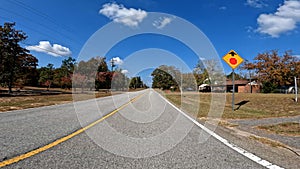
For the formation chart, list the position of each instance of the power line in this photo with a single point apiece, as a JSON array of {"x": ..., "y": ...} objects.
[
  {"x": 40, "y": 24},
  {"x": 30, "y": 28},
  {"x": 39, "y": 13}
]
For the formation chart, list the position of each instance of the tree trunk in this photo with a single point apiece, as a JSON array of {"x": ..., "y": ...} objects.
[{"x": 10, "y": 87}]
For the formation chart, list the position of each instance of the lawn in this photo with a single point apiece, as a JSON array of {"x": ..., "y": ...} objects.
[{"x": 251, "y": 105}]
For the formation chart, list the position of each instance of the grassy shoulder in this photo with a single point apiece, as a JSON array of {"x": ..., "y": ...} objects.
[
  {"x": 25, "y": 102},
  {"x": 32, "y": 100},
  {"x": 288, "y": 128},
  {"x": 247, "y": 105}
]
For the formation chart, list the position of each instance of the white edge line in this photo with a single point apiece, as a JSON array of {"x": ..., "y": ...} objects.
[{"x": 240, "y": 150}]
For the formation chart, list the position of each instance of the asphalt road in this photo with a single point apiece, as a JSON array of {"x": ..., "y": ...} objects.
[{"x": 147, "y": 133}]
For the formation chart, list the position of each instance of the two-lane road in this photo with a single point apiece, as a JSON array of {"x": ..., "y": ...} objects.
[{"x": 142, "y": 130}]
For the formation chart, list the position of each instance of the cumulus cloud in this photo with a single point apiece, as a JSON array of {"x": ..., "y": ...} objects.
[
  {"x": 285, "y": 19},
  {"x": 117, "y": 61},
  {"x": 124, "y": 71},
  {"x": 53, "y": 50},
  {"x": 256, "y": 3},
  {"x": 162, "y": 22},
  {"x": 118, "y": 13}
]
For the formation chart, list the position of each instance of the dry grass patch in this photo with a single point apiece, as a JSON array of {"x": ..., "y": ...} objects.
[
  {"x": 24, "y": 102},
  {"x": 267, "y": 141},
  {"x": 288, "y": 128},
  {"x": 39, "y": 98},
  {"x": 255, "y": 105}
]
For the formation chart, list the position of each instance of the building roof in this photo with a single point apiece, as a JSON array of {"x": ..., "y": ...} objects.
[{"x": 237, "y": 82}]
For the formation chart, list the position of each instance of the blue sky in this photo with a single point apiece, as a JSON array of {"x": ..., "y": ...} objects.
[{"x": 247, "y": 26}]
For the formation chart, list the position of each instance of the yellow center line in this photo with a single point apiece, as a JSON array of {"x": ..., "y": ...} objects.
[{"x": 63, "y": 139}]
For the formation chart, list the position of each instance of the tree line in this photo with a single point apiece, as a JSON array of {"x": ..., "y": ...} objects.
[
  {"x": 269, "y": 69},
  {"x": 19, "y": 68}
]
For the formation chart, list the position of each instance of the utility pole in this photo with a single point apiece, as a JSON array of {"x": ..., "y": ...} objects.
[
  {"x": 250, "y": 81},
  {"x": 296, "y": 90},
  {"x": 112, "y": 63}
]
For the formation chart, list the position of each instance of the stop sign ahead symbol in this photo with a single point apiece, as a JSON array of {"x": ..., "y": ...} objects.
[{"x": 233, "y": 59}]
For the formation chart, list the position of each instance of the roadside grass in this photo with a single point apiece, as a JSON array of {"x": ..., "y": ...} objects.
[
  {"x": 267, "y": 141},
  {"x": 252, "y": 105},
  {"x": 288, "y": 128},
  {"x": 24, "y": 102},
  {"x": 38, "y": 100}
]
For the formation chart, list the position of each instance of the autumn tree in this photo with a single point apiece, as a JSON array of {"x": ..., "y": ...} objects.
[
  {"x": 200, "y": 73},
  {"x": 95, "y": 72},
  {"x": 104, "y": 76},
  {"x": 119, "y": 80},
  {"x": 62, "y": 76},
  {"x": 89, "y": 70},
  {"x": 209, "y": 72},
  {"x": 78, "y": 81},
  {"x": 16, "y": 64},
  {"x": 274, "y": 70}
]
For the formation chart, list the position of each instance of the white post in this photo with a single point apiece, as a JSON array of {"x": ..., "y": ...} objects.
[{"x": 296, "y": 90}]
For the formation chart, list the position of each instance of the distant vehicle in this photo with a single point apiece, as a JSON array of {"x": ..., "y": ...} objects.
[
  {"x": 292, "y": 89},
  {"x": 286, "y": 89},
  {"x": 204, "y": 88}
]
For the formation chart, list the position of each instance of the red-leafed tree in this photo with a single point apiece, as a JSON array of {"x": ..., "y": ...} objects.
[
  {"x": 274, "y": 70},
  {"x": 78, "y": 81}
]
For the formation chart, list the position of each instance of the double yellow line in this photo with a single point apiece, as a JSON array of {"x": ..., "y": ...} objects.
[{"x": 63, "y": 139}]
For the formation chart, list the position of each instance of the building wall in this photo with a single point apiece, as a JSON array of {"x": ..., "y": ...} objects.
[{"x": 246, "y": 89}]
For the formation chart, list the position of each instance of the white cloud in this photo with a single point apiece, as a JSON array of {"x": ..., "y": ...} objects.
[
  {"x": 283, "y": 20},
  {"x": 118, "y": 13},
  {"x": 54, "y": 50},
  {"x": 117, "y": 61},
  {"x": 124, "y": 71},
  {"x": 202, "y": 58},
  {"x": 162, "y": 22},
  {"x": 290, "y": 9},
  {"x": 274, "y": 25},
  {"x": 223, "y": 8},
  {"x": 256, "y": 3}
]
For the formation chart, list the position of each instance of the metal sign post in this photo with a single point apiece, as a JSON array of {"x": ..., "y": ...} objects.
[
  {"x": 233, "y": 60},
  {"x": 233, "y": 89}
]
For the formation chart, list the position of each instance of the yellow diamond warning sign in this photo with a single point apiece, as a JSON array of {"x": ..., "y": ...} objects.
[{"x": 233, "y": 59}]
